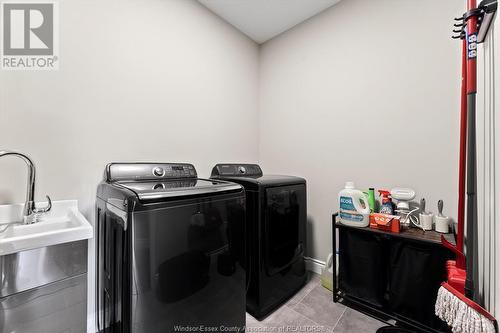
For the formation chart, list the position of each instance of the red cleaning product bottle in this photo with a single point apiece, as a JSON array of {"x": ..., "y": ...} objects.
[{"x": 385, "y": 202}]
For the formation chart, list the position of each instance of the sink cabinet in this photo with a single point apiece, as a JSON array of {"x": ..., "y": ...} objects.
[{"x": 44, "y": 290}]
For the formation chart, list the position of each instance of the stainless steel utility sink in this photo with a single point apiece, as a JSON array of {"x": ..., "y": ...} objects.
[{"x": 62, "y": 224}]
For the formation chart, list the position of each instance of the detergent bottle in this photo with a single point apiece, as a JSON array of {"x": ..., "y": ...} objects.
[
  {"x": 327, "y": 275},
  {"x": 354, "y": 207}
]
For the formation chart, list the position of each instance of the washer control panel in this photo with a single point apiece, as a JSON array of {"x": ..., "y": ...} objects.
[
  {"x": 237, "y": 170},
  {"x": 148, "y": 171}
]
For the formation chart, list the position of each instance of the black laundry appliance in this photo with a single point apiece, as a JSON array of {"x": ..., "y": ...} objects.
[
  {"x": 275, "y": 234},
  {"x": 170, "y": 250}
]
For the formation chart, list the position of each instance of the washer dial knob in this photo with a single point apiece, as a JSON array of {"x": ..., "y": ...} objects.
[
  {"x": 242, "y": 170},
  {"x": 158, "y": 172}
]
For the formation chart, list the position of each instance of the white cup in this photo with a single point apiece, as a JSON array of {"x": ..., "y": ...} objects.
[
  {"x": 442, "y": 224},
  {"x": 426, "y": 221}
]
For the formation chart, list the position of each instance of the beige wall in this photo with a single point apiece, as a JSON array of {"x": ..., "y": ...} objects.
[
  {"x": 367, "y": 91},
  {"x": 156, "y": 80}
]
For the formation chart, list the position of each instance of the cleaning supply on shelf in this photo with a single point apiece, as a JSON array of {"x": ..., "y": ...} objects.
[
  {"x": 385, "y": 202},
  {"x": 403, "y": 197},
  {"x": 371, "y": 199},
  {"x": 409, "y": 215},
  {"x": 327, "y": 274},
  {"x": 384, "y": 222},
  {"x": 422, "y": 206},
  {"x": 441, "y": 222},
  {"x": 424, "y": 217},
  {"x": 354, "y": 207}
]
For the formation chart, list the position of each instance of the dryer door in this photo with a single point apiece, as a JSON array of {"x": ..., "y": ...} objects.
[{"x": 284, "y": 226}]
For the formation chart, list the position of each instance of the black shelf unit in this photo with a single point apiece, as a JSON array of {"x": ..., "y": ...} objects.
[{"x": 374, "y": 298}]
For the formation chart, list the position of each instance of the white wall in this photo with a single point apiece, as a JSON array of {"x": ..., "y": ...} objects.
[
  {"x": 366, "y": 91},
  {"x": 156, "y": 80},
  {"x": 488, "y": 182},
  {"x": 496, "y": 97}
]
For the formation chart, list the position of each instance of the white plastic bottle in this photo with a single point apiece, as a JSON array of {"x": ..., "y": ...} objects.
[{"x": 354, "y": 208}]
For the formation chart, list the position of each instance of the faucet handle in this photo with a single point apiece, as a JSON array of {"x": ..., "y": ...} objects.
[{"x": 44, "y": 209}]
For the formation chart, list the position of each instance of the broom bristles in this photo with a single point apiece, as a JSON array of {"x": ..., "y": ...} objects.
[{"x": 461, "y": 317}]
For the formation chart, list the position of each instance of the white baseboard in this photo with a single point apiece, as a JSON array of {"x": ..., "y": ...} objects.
[{"x": 314, "y": 265}]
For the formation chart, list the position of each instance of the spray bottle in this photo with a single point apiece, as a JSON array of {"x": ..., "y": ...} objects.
[{"x": 386, "y": 202}]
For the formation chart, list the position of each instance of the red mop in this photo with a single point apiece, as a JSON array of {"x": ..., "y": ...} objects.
[{"x": 455, "y": 305}]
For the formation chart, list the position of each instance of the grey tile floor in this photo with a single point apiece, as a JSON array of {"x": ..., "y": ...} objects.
[{"x": 312, "y": 310}]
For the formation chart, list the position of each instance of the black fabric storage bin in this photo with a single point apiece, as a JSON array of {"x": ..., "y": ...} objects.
[
  {"x": 391, "y": 275},
  {"x": 362, "y": 260},
  {"x": 416, "y": 271}
]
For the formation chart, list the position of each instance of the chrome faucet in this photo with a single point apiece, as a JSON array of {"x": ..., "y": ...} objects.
[{"x": 30, "y": 212}]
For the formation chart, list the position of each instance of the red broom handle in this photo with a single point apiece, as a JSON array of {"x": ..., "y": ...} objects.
[
  {"x": 471, "y": 178},
  {"x": 463, "y": 157},
  {"x": 458, "y": 248}
]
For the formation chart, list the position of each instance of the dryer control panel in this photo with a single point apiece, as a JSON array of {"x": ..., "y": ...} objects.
[
  {"x": 148, "y": 171},
  {"x": 237, "y": 170}
]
